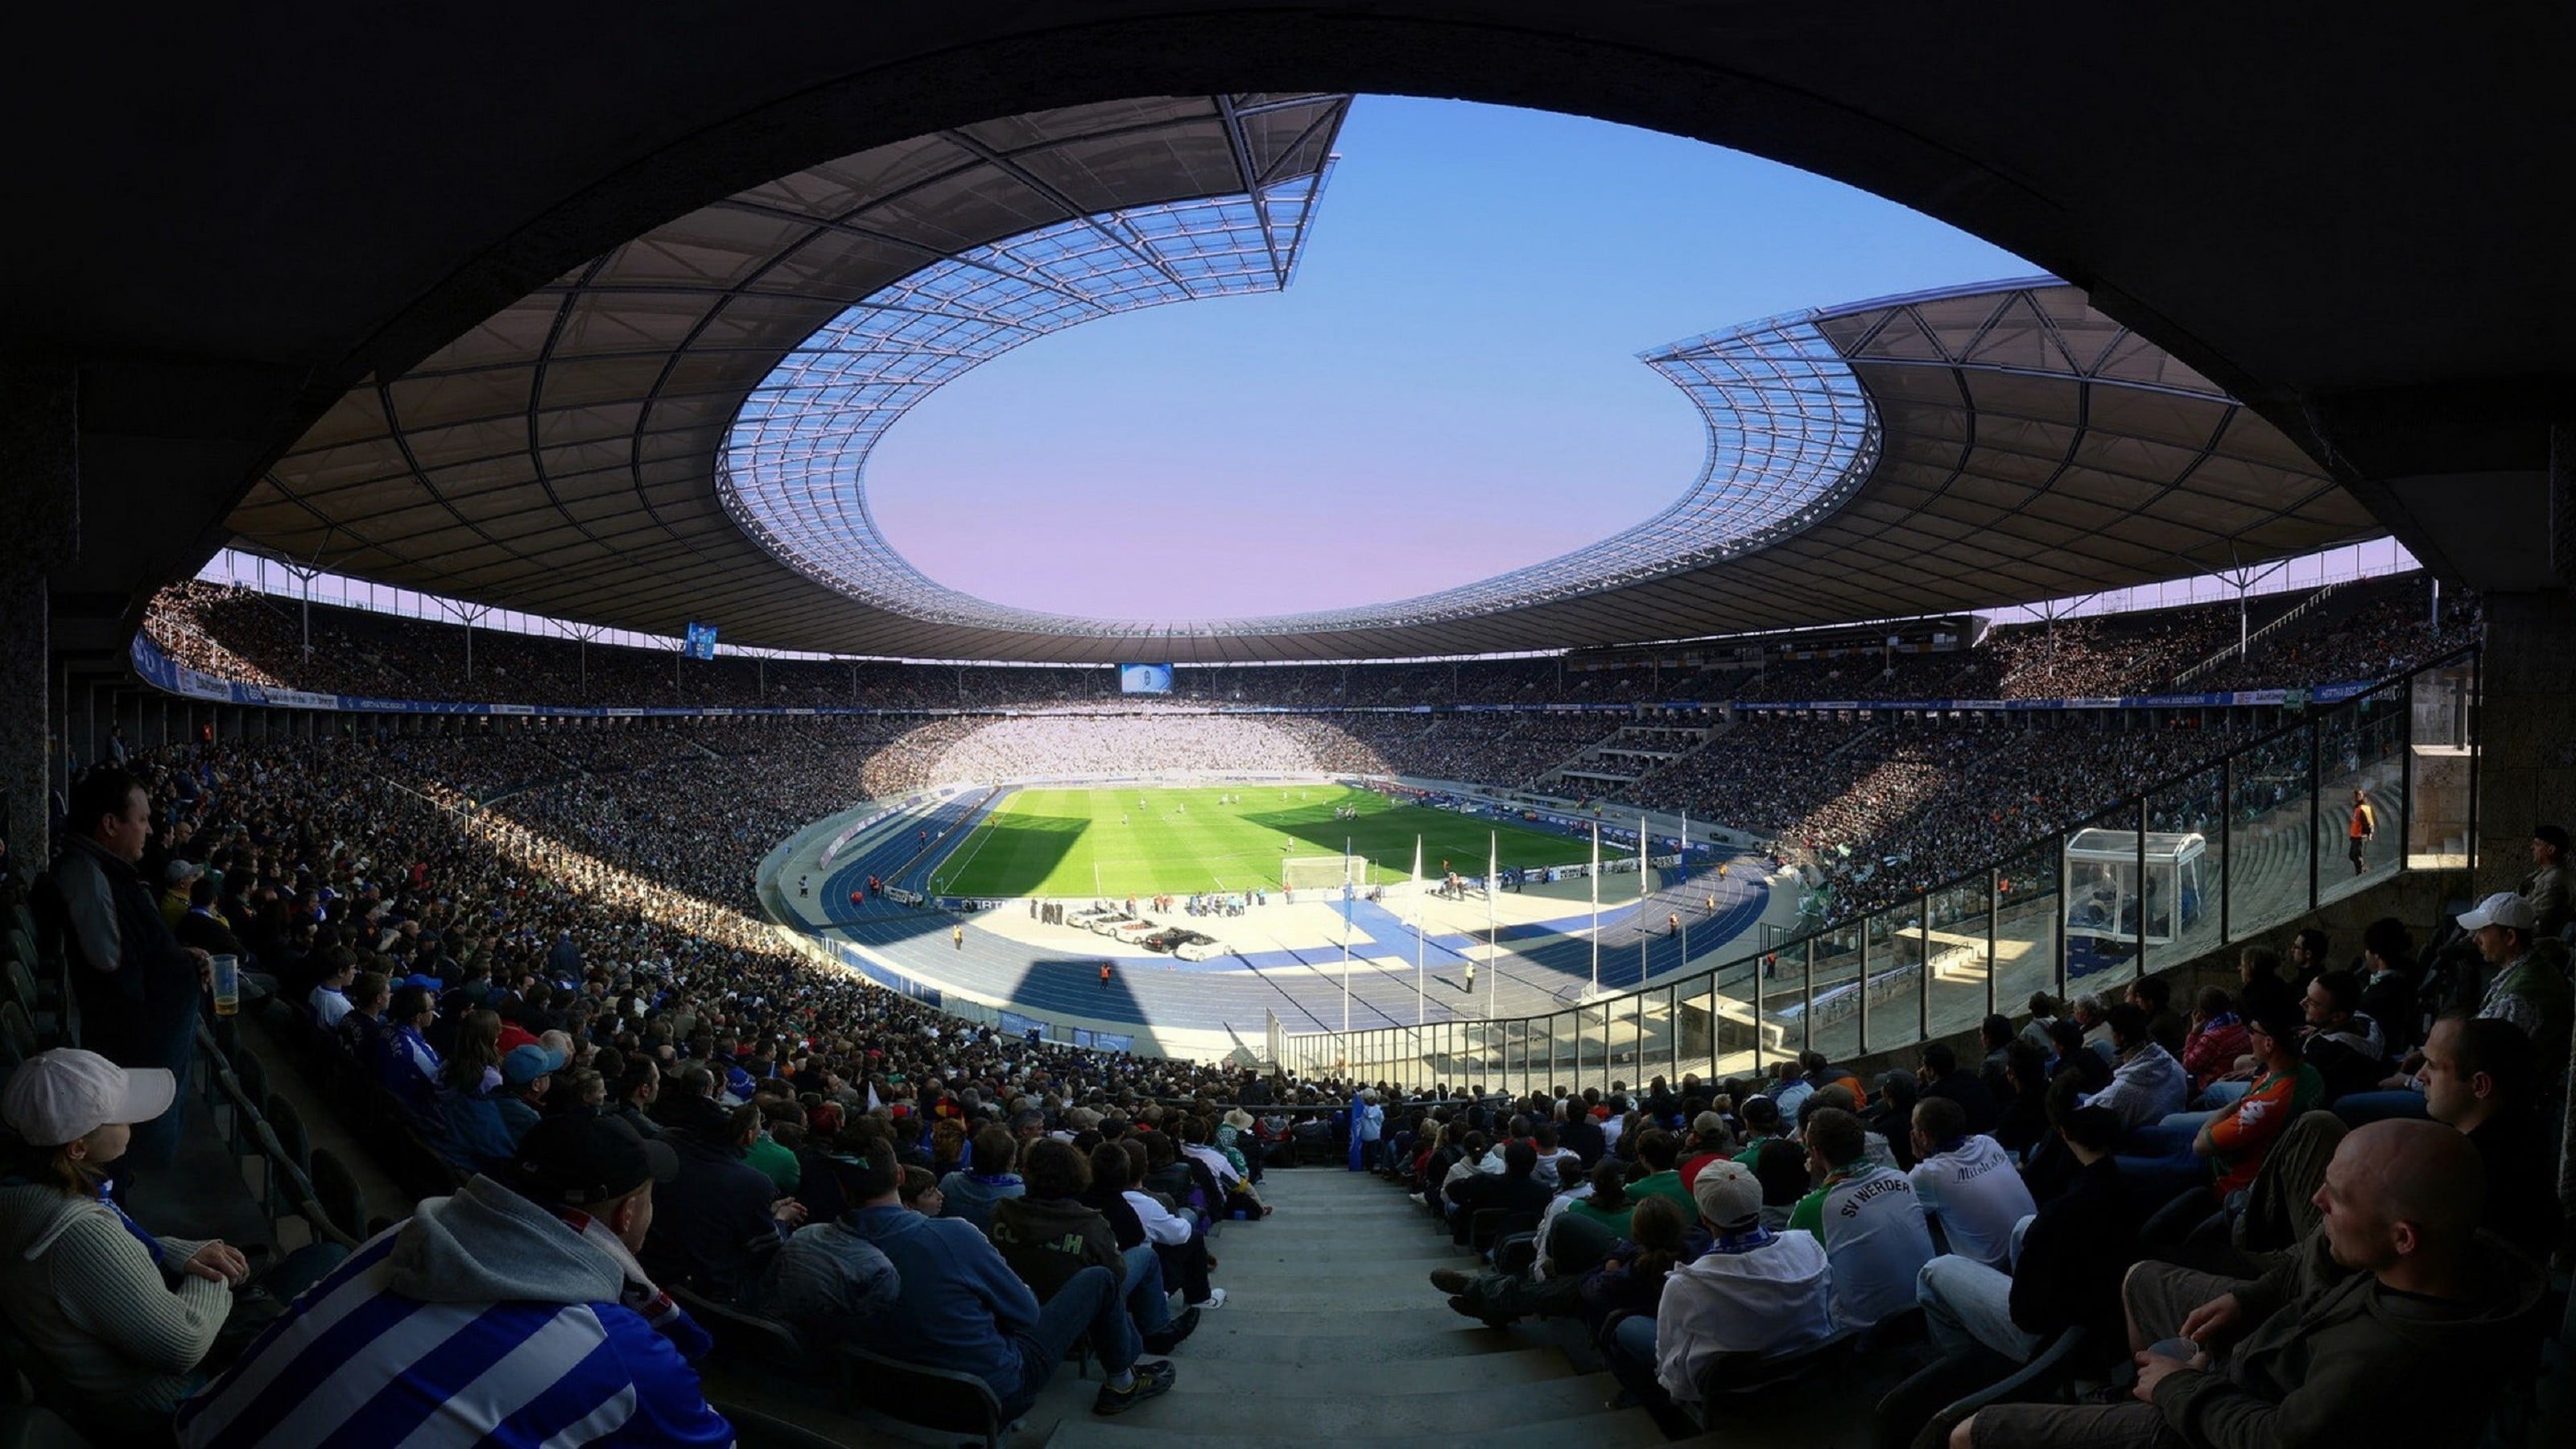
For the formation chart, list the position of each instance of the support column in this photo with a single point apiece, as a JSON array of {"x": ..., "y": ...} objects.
[
  {"x": 2526, "y": 729},
  {"x": 39, "y": 531}
]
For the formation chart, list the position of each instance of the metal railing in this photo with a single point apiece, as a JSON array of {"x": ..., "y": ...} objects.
[{"x": 2227, "y": 850}]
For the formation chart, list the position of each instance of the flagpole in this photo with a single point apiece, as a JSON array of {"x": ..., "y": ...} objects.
[
  {"x": 1645, "y": 928},
  {"x": 1686, "y": 881},
  {"x": 1418, "y": 1010},
  {"x": 1346, "y": 944},
  {"x": 1596, "y": 907},
  {"x": 1493, "y": 879}
]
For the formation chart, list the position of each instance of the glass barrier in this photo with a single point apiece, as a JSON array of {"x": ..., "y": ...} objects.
[
  {"x": 2335, "y": 799},
  {"x": 2272, "y": 866}
]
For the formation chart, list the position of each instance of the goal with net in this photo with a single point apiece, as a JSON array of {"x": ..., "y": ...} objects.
[{"x": 1317, "y": 872}]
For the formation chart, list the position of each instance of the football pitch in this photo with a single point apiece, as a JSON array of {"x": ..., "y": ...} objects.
[{"x": 1183, "y": 842}]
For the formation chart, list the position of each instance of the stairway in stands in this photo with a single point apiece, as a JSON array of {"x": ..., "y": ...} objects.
[{"x": 1331, "y": 1332}]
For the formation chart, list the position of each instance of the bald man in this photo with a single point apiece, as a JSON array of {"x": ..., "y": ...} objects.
[{"x": 2389, "y": 1325}]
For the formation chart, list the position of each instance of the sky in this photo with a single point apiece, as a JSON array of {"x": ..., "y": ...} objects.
[{"x": 1448, "y": 389}]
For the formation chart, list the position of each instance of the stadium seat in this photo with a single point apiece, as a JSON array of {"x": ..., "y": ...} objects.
[
  {"x": 941, "y": 1399},
  {"x": 287, "y": 1124},
  {"x": 2044, "y": 1378},
  {"x": 752, "y": 1342},
  {"x": 336, "y": 1192},
  {"x": 1490, "y": 1226},
  {"x": 17, "y": 1035}
]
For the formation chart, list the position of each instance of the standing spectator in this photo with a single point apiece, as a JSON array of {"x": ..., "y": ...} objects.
[
  {"x": 2529, "y": 988},
  {"x": 136, "y": 986},
  {"x": 2545, "y": 890},
  {"x": 545, "y": 1328}
]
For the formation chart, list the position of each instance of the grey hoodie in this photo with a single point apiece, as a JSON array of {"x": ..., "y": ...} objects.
[{"x": 488, "y": 1244}]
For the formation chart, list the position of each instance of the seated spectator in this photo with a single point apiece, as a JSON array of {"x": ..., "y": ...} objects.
[
  {"x": 962, "y": 1308},
  {"x": 719, "y": 1224},
  {"x": 1558, "y": 1168},
  {"x": 2389, "y": 1319},
  {"x": 1608, "y": 1203},
  {"x": 2216, "y": 1039},
  {"x": 2482, "y": 1078},
  {"x": 1515, "y": 1189},
  {"x": 406, "y": 1064},
  {"x": 773, "y": 1148},
  {"x": 2390, "y": 983},
  {"x": 1781, "y": 1165},
  {"x": 2147, "y": 1084},
  {"x": 1940, "y": 1076},
  {"x": 2154, "y": 996},
  {"x": 2023, "y": 1120},
  {"x": 1995, "y": 1036},
  {"x": 361, "y": 1031},
  {"x": 1762, "y": 1124},
  {"x": 1754, "y": 1291},
  {"x": 122, "y": 1319},
  {"x": 2070, "y": 1056},
  {"x": 523, "y": 1318},
  {"x": 1179, "y": 1250},
  {"x": 1658, "y": 1154},
  {"x": 1048, "y": 1235},
  {"x": 2529, "y": 987},
  {"x": 2065, "y": 1273},
  {"x": 1866, "y": 1215},
  {"x": 971, "y": 1191},
  {"x": 329, "y": 1000},
  {"x": 2343, "y": 1044},
  {"x": 1966, "y": 1184}
]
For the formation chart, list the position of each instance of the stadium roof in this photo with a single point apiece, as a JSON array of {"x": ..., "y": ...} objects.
[{"x": 677, "y": 430}]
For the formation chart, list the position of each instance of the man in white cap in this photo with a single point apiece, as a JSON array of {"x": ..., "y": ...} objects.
[
  {"x": 2527, "y": 989},
  {"x": 1754, "y": 1291},
  {"x": 121, "y": 1317}
]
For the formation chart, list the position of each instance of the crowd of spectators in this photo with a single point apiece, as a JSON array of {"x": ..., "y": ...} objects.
[
  {"x": 2363, "y": 631},
  {"x": 2269, "y": 1222}
]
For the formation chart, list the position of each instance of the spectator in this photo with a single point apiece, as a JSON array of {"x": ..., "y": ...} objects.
[
  {"x": 2216, "y": 1039},
  {"x": 1048, "y": 1235},
  {"x": 970, "y": 1193},
  {"x": 720, "y": 1224},
  {"x": 137, "y": 988},
  {"x": 961, "y": 1307},
  {"x": 1966, "y": 1184},
  {"x": 2065, "y": 1273},
  {"x": 2529, "y": 987},
  {"x": 1866, "y": 1215},
  {"x": 1753, "y": 1292},
  {"x": 329, "y": 1000},
  {"x": 2342, "y": 1043},
  {"x": 1940, "y": 1076},
  {"x": 2545, "y": 889},
  {"x": 545, "y": 1327},
  {"x": 2389, "y": 987},
  {"x": 361, "y": 1032},
  {"x": 2147, "y": 1084},
  {"x": 830, "y": 1279},
  {"x": 2482, "y": 1078},
  {"x": 2387, "y": 1320},
  {"x": 121, "y": 1318}
]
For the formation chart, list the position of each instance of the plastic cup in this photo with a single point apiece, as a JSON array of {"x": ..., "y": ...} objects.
[{"x": 227, "y": 985}]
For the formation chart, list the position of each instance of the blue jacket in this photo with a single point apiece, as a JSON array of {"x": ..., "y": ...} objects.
[{"x": 961, "y": 1306}]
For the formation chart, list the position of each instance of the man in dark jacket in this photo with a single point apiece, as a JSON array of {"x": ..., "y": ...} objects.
[
  {"x": 718, "y": 1227},
  {"x": 2066, "y": 1271},
  {"x": 1516, "y": 1189},
  {"x": 1049, "y": 1234},
  {"x": 2388, "y": 1320},
  {"x": 1941, "y": 1077},
  {"x": 2344, "y": 1045},
  {"x": 137, "y": 987}
]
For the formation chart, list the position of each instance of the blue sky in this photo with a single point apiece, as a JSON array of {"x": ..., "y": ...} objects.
[{"x": 1449, "y": 389}]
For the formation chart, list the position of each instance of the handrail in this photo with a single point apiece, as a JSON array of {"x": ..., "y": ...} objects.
[{"x": 306, "y": 1203}]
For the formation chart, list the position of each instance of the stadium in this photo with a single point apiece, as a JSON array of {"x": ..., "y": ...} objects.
[{"x": 595, "y": 941}]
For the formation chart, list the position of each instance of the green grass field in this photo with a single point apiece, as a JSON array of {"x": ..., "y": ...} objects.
[{"x": 1180, "y": 842}]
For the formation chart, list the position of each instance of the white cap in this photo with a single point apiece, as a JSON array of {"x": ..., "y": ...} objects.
[
  {"x": 2504, "y": 908},
  {"x": 66, "y": 1094},
  {"x": 1727, "y": 1193}
]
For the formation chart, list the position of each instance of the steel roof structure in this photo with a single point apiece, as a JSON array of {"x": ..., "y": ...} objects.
[{"x": 679, "y": 428}]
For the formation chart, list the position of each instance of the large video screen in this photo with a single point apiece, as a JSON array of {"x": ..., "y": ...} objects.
[
  {"x": 701, "y": 642},
  {"x": 1144, "y": 679}
]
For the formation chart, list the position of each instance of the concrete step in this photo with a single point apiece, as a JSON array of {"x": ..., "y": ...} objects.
[
  {"x": 1626, "y": 1429},
  {"x": 1322, "y": 1406}
]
